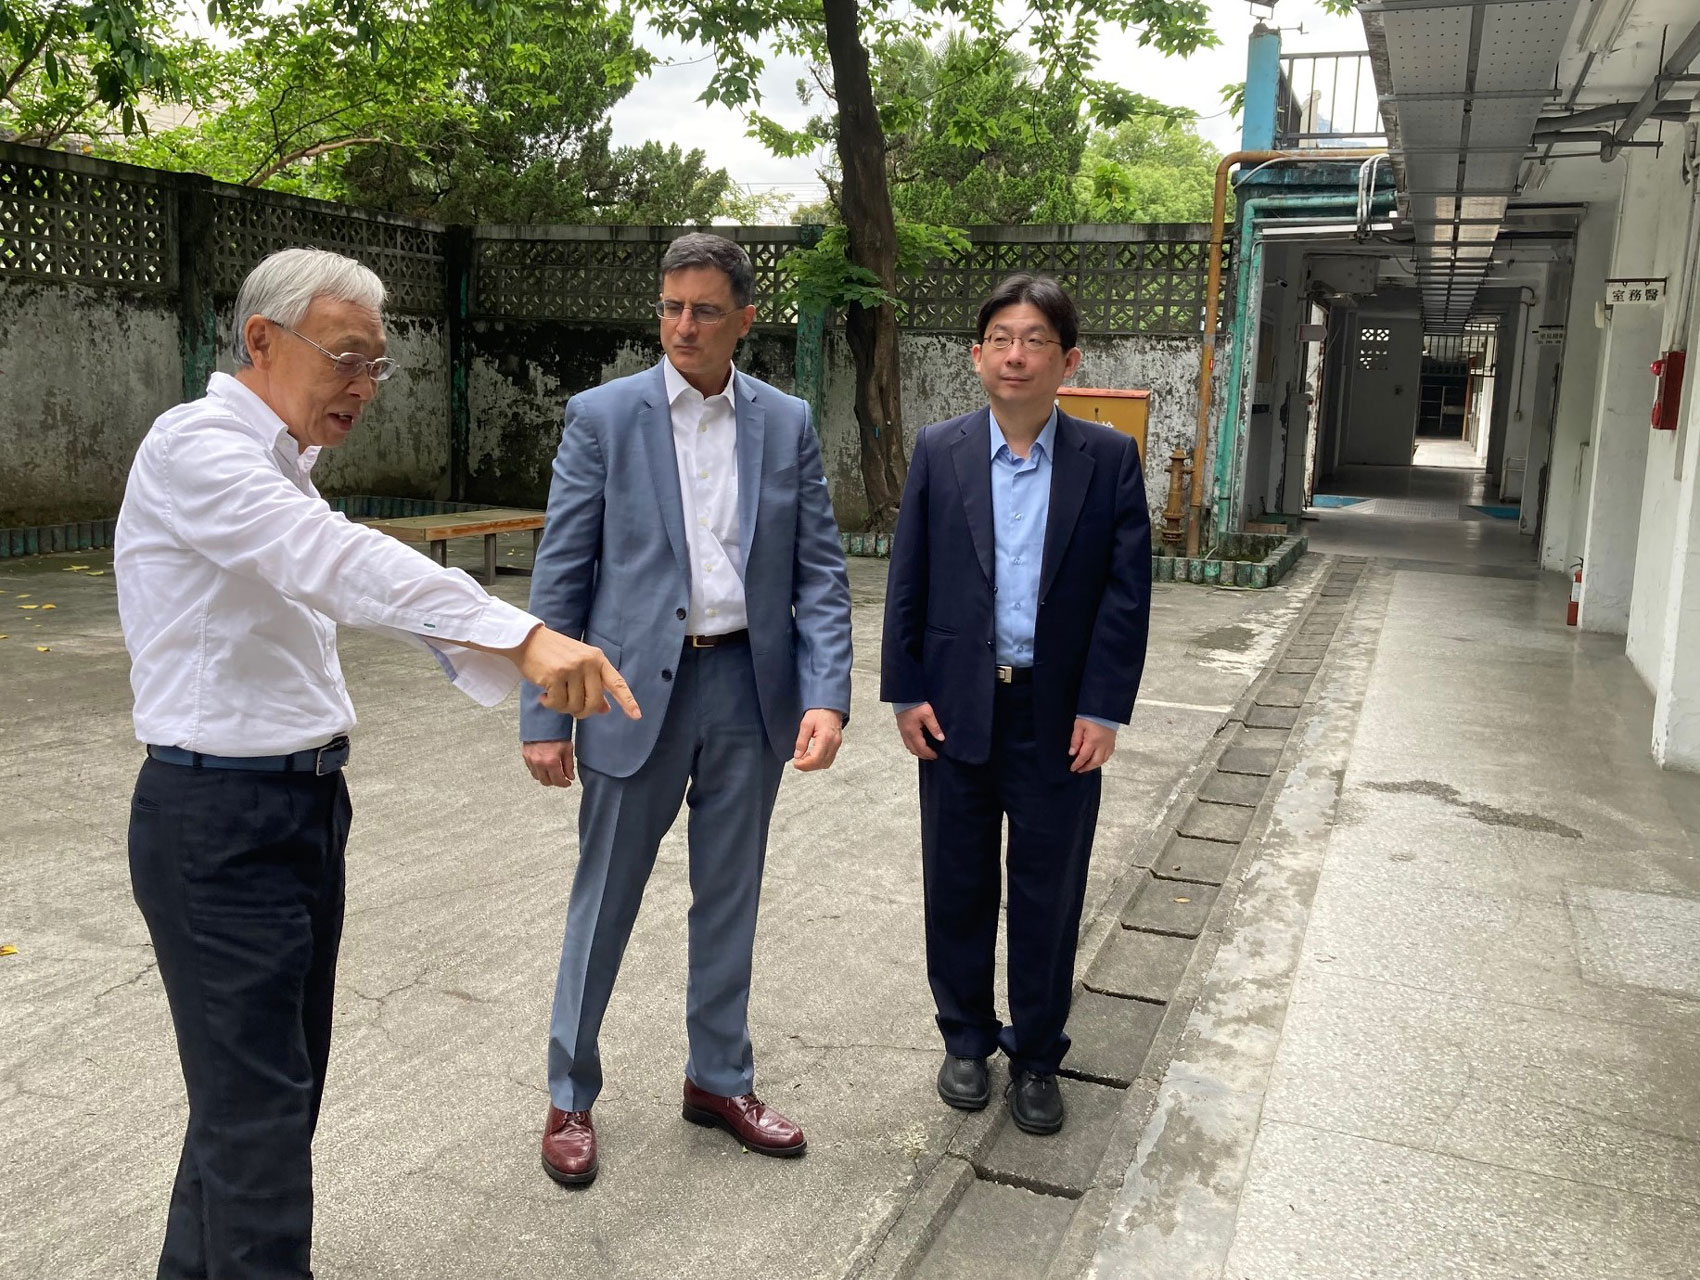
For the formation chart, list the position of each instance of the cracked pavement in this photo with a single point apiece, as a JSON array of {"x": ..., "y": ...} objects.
[{"x": 458, "y": 872}]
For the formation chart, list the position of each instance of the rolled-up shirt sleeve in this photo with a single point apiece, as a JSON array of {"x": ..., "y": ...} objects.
[{"x": 230, "y": 503}]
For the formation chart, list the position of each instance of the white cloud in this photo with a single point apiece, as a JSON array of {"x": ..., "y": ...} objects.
[{"x": 665, "y": 108}]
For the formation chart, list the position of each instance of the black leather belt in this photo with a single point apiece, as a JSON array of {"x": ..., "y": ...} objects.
[
  {"x": 315, "y": 760},
  {"x": 714, "y": 642},
  {"x": 1014, "y": 675}
]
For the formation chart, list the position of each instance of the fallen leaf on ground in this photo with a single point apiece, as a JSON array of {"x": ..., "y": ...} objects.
[
  {"x": 29, "y": 606},
  {"x": 41, "y": 648},
  {"x": 76, "y": 568},
  {"x": 49, "y": 606},
  {"x": 95, "y": 573},
  {"x": 7, "y": 949},
  {"x": 1183, "y": 899},
  {"x": 24, "y": 595}
]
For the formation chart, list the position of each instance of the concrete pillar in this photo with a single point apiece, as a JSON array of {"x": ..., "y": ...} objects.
[
  {"x": 1540, "y": 388},
  {"x": 1619, "y": 460},
  {"x": 1568, "y": 466},
  {"x": 1676, "y": 688},
  {"x": 1623, "y": 400}
]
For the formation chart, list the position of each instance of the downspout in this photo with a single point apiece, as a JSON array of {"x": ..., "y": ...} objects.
[
  {"x": 1213, "y": 287},
  {"x": 1248, "y": 270}
]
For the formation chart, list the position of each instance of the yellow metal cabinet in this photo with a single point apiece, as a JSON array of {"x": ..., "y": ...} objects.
[{"x": 1126, "y": 411}]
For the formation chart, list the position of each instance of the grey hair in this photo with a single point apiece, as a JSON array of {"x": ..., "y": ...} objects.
[
  {"x": 700, "y": 249},
  {"x": 284, "y": 285}
]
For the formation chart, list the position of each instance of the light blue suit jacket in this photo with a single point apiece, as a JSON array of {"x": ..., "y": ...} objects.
[{"x": 612, "y": 565}]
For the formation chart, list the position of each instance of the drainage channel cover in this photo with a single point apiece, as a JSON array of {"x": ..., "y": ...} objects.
[{"x": 1002, "y": 1202}]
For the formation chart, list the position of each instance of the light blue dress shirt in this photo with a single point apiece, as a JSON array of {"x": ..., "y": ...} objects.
[{"x": 1021, "y": 505}]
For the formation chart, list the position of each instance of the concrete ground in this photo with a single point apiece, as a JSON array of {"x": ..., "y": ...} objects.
[
  {"x": 1454, "y": 1026},
  {"x": 459, "y": 867}
]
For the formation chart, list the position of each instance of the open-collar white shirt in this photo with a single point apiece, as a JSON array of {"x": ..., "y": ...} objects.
[
  {"x": 233, "y": 572},
  {"x": 705, "y": 442}
]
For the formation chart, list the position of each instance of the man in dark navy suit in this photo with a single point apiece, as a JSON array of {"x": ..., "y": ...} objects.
[{"x": 1015, "y": 624}]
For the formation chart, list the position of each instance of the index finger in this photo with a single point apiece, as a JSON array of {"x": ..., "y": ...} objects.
[{"x": 614, "y": 684}]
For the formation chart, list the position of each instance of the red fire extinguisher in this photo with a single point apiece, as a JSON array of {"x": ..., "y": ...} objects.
[{"x": 1575, "y": 595}]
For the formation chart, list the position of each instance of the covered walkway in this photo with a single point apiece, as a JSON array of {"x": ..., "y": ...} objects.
[{"x": 1453, "y": 1025}]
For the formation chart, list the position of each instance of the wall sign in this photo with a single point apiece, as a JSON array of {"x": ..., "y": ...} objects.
[{"x": 1630, "y": 293}]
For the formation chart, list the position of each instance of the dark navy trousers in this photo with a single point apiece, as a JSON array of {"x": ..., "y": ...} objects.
[
  {"x": 240, "y": 878},
  {"x": 1052, "y": 816}
]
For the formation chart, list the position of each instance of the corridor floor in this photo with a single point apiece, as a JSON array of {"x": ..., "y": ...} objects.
[{"x": 1453, "y": 1028}]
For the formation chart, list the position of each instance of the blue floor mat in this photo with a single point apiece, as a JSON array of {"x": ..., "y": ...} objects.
[
  {"x": 1499, "y": 513},
  {"x": 1333, "y": 500}
]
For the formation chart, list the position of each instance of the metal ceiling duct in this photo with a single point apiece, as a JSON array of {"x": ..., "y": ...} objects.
[{"x": 1463, "y": 83}]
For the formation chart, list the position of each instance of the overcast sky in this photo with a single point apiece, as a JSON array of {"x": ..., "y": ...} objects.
[{"x": 664, "y": 107}]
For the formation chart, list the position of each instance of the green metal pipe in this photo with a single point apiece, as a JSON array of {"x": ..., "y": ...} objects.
[{"x": 1248, "y": 292}]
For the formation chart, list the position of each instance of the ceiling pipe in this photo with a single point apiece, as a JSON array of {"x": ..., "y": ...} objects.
[
  {"x": 1213, "y": 286},
  {"x": 1676, "y": 65},
  {"x": 1609, "y": 113}
]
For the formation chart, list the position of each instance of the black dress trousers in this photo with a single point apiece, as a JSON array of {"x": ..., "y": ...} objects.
[
  {"x": 240, "y": 878},
  {"x": 1052, "y": 816}
]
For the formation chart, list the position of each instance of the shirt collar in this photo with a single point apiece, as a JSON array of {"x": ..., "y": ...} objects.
[
  {"x": 677, "y": 386},
  {"x": 260, "y": 420},
  {"x": 1047, "y": 435}
]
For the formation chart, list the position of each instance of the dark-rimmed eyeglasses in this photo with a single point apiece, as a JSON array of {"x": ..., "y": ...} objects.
[
  {"x": 667, "y": 309},
  {"x": 350, "y": 364}
]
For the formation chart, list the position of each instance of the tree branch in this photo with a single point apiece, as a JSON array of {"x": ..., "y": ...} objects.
[
  {"x": 29, "y": 57},
  {"x": 307, "y": 153}
]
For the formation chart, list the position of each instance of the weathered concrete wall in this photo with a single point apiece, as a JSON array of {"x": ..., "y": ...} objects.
[
  {"x": 939, "y": 382},
  {"x": 522, "y": 373},
  {"x": 83, "y": 372}
]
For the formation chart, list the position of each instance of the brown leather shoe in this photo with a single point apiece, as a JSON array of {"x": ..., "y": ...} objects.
[
  {"x": 748, "y": 1119},
  {"x": 569, "y": 1147}
]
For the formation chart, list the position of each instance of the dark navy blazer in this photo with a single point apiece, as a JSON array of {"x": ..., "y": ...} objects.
[{"x": 1094, "y": 586}]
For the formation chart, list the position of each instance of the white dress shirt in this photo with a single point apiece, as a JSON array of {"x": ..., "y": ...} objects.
[
  {"x": 232, "y": 574},
  {"x": 705, "y": 442}
]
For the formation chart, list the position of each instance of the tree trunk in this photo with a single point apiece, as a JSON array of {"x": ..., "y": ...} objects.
[{"x": 872, "y": 231}]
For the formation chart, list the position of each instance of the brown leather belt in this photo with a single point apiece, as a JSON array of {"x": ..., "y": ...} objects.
[{"x": 714, "y": 642}]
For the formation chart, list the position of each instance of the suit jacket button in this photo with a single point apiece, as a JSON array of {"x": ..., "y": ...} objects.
[
  {"x": 679, "y": 614},
  {"x": 666, "y": 673}
]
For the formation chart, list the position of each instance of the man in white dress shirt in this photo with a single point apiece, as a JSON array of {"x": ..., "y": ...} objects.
[
  {"x": 690, "y": 537},
  {"x": 232, "y": 574}
]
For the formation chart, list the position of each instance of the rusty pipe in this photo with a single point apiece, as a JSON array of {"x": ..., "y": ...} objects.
[{"x": 1212, "y": 288}]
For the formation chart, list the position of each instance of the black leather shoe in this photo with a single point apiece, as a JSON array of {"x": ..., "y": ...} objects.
[
  {"x": 1035, "y": 1103},
  {"x": 964, "y": 1082}
]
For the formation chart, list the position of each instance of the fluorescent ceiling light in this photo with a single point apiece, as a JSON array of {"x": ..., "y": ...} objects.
[
  {"x": 1604, "y": 24},
  {"x": 1320, "y": 229}
]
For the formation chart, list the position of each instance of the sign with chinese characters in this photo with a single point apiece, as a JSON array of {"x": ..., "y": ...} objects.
[
  {"x": 1550, "y": 335},
  {"x": 1630, "y": 293}
]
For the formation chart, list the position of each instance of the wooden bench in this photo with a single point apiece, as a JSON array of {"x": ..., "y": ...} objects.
[{"x": 487, "y": 524}]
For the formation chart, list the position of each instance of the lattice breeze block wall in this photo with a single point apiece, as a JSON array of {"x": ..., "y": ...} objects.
[
  {"x": 71, "y": 219},
  {"x": 1125, "y": 287},
  {"x": 407, "y": 255},
  {"x": 87, "y": 223},
  {"x": 604, "y": 273}
]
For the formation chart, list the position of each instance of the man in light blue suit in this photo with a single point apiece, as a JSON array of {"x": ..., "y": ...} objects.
[{"x": 690, "y": 538}]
